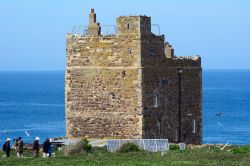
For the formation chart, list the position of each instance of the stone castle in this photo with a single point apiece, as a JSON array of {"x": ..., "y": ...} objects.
[{"x": 131, "y": 85}]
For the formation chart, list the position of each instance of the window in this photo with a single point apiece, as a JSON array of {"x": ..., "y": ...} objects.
[
  {"x": 194, "y": 126},
  {"x": 176, "y": 135},
  {"x": 128, "y": 26},
  {"x": 112, "y": 95},
  {"x": 159, "y": 127},
  {"x": 123, "y": 74},
  {"x": 156, "y": 100}
]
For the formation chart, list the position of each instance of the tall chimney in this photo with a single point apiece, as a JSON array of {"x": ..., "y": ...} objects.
[
  {"x": 92, "y": 17},
  {"x": 94, "y": 27}
]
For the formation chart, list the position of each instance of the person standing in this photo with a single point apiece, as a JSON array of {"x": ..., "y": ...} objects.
[
  {"x": 19, "y": 147},
  {"x": 6, "y": 147},
  {"x": 36, "y": 147},
  {"x": 46, "y": 148},
  {"x": 50, "y": 148}
]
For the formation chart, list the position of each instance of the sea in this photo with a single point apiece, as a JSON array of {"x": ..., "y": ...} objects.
[{"x": 32, "y": 104}]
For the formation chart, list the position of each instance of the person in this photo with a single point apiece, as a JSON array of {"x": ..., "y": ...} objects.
[
  {"x": 19, "y": 147},
  {"x": 6, "y": 147},
  {"x": 46, "y": 147},
  {"x": 36, "y": 147},
  {"x": 50, "y": 148}
]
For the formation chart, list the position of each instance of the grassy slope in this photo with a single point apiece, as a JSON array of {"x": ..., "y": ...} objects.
[{"x": 203, "y": 156}]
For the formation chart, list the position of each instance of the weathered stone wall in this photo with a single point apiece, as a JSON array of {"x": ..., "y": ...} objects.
[
  {"x": 170, "y": 96},
  {"x": 103, "y": 86},
  {"x": 109, "y": 51},
  {"x": 128, "y": 25},
  {"x": 123, "y": 86}
]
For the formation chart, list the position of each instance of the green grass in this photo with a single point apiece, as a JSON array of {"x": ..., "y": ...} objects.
[{"x": 198, "y": 156}]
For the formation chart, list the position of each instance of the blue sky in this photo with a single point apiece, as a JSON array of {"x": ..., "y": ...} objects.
[{"x": 32, "y": 33}]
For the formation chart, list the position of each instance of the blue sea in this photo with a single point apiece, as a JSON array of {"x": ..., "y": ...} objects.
[{"x": 32, "y": 104}]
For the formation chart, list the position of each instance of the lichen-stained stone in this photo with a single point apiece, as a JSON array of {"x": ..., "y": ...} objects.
[{"x": 123, "y": 86}]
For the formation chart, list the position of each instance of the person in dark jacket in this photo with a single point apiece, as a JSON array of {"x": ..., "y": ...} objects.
[
  {"x": 50, "y": 147},
  {"x": 19, "y": 147},
  {"x": 6, "y": 147},
  {"x": 36, "y": 147},
  {"x": 46, "y": 147}
]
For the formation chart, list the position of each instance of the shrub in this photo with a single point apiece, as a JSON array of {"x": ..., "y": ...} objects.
[
  {"x": 73, "y": 149},
  {"x": 81, "y": 146},
  {"x": 86, "y": 146},
  {"x": 174, "y": 147},
  {"x": 129, "y": 147},
  {"x": 241, "y": 150}
]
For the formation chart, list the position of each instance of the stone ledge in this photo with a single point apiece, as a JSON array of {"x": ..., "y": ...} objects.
[{"x": 152, "y": 145}]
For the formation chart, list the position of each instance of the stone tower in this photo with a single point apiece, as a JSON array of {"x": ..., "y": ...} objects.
[{"x": 131, "y": 85}]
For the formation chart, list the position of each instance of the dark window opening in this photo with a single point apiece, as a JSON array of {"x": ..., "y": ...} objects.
[
  {"x": 128, "y": 26},
  {"x": 124, "y": 74},
  {"x": 112, "y": 95}
]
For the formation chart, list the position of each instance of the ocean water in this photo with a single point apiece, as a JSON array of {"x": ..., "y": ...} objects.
[
  {"x": 226, "y": 92},
  {"x": 32, "y": 104}
]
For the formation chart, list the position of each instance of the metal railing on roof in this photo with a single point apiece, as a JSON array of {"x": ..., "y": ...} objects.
[
  {"x": 83, "y": 29},
  {"x": 79, "y": 29},
  {"x": 156, "y": 28},
  {"x": 108, "y": 29}
]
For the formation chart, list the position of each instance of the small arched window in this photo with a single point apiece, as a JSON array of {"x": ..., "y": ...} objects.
[
  {"x": 176, "y": 135},
  {"x": 156, "y": 100},
  {"x": 194, "y": 126},
  {"x": 128, "y": 26}
]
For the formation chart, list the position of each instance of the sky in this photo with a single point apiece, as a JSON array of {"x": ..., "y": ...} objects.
[{"x": 32, "y": 33}]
